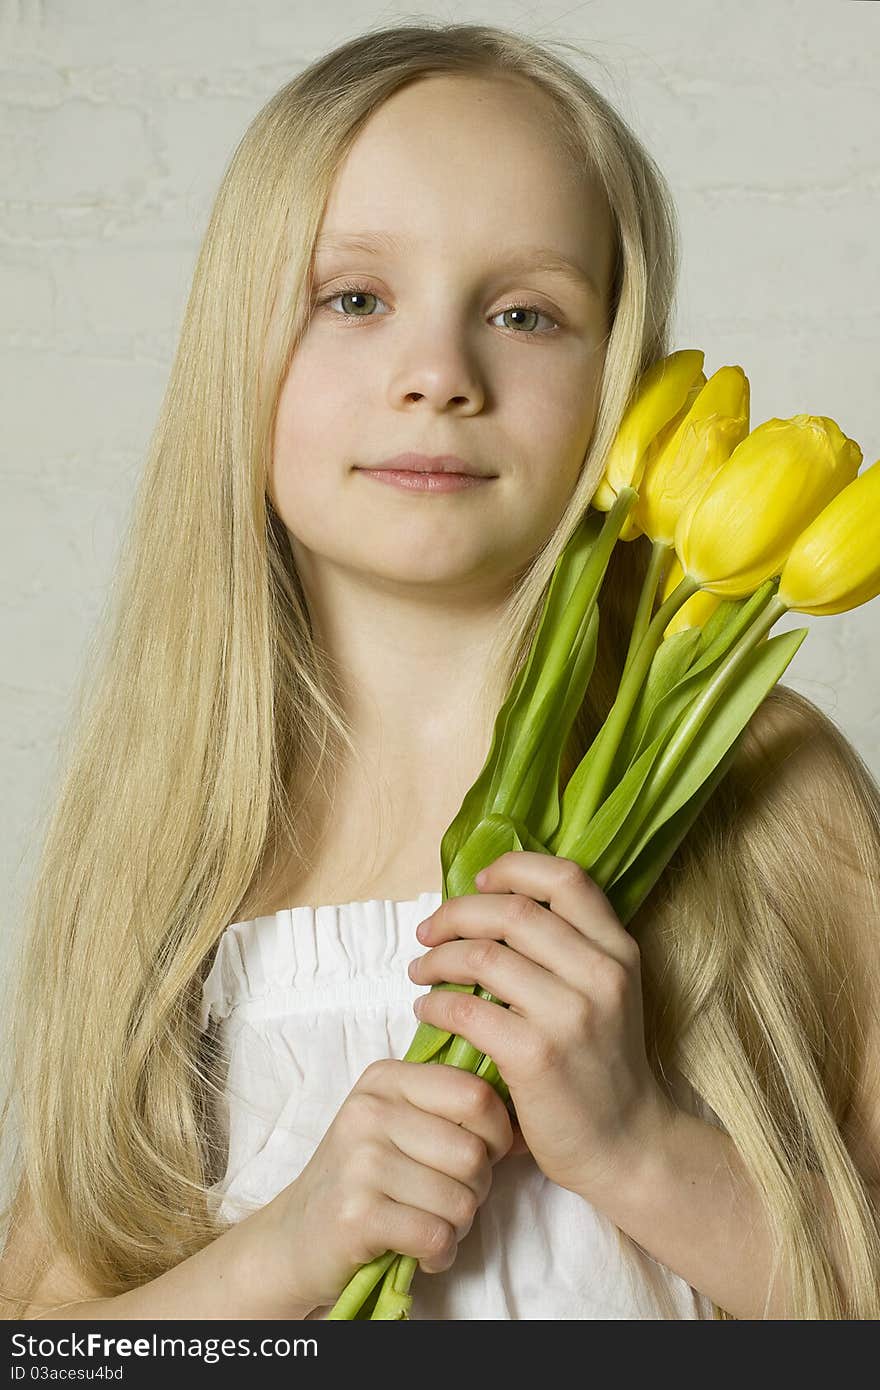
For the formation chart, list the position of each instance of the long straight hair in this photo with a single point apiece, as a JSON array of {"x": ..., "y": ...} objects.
[{"x": 206, "y": 701}]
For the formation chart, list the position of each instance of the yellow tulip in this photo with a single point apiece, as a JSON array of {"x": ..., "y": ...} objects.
[
  {"x": 834, "y": 565},
  {"x": 664, "y": 391},
  {"x": 683, "y": 459},
  {"x": 698, "y": 608},
  {"x": 737, "y": 531}
]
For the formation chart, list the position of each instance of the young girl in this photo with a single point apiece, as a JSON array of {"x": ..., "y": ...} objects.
[{"x": 442, "y": 241}]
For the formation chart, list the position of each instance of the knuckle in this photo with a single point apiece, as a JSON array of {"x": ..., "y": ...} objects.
[
  {"x": 571, "y": 872},
  {"x": 521, "y": 908},
  {"x": 371, "y": 1154},
  {"x": 440, "y": 1242},
  {"x": 483, "y": 954},
  {"x": 366, "y": 1110},
  {"x": 582, "y": 1013},
  {"x": 473, "y": 1155},
  {"x": 462, "y": 1008},
  {"x": 355, "y": 1219},
  {"x": 631, "y": 951},
  {"x": 611, "y": 980},
  {"x": 468, "y": 1205},
  {"x": 540, "y": 1052},
  {"x": 376, "y": 1072},
  {"x": 479, "y": 1095}
]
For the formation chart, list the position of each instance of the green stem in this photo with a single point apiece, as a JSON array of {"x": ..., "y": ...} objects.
[
  {"x": 605, "y": 868},
  {"x": 586, "y": 793},
  {"x": 395, "y": 1299},
  {"x": 656, "y": 571},
  {"x": 359, "y": 1287},
  {"x": 489, "y": 1071},
  {"x": 512, "y": 766}
]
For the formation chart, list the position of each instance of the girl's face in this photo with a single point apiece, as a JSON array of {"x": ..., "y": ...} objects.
[{"x": 456, "y": 339}]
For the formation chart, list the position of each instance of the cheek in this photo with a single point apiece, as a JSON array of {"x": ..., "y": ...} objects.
[
  {"x": 560, "y": 419},
  {"x": 559, "y": 404},
  {"x": 311, "y": 447}
]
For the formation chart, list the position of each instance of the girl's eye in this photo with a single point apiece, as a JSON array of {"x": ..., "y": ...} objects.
[{"x": 352, "y": 292}]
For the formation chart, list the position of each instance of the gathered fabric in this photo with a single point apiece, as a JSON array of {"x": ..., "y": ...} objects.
[{"x": 303, "y": 1001}]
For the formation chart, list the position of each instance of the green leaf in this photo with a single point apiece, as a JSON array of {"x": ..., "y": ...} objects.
[
  {"x": 720, "y": 642},
  {"x": 629, "y": 890},
  {"x": 671, "y": 660},
  {"x": 718, "y": 619},
  {"x": 609, "y": 817},
  {"x": 567, "y": 575},
  {"x": 493, "y": 836},
  {"x": 672, "y": 705},
  {"x": 760, "y": 671},
  {"x": 530, "y": 782}
]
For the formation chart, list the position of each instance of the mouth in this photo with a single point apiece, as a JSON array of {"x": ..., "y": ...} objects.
[
  {"x": 426, "y": 481},
  {"x": 427, "y": 464}
]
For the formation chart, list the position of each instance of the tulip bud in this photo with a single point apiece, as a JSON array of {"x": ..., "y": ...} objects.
[
  {"x": 737, "y": 531},
  {"x": 834, "y": 565},
  {"x": 685, "y": 458},
  {"x": 663, "y": 392}
]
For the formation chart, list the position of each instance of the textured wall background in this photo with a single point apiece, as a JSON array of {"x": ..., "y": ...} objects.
[{"x": 118, "y": 121}]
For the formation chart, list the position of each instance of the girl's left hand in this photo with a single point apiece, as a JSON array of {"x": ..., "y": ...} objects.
[{"x": 571, "y": 1045}]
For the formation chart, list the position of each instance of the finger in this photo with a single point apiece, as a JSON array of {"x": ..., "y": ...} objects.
[
  {"x": 458, "y": 1096},
  {"x": 527, "y": 988},
  {"x": 419, "y": 1185},
  {"x": 399, "y": 1226},
  {"x": 491, "y": 1028},
  {"x": 568, "y": 891},
  {"x": 531, "y": 929},
  {"x": 439, "y": 1144}
]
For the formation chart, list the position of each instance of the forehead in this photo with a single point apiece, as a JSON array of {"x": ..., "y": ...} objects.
[{"x": 456, "y": 165}]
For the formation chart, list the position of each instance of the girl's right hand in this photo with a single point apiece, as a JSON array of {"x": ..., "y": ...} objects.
[{"x": 404, "y": 1166}]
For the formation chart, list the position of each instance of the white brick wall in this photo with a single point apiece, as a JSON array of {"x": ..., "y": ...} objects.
[{"x": 118, "y": 120}]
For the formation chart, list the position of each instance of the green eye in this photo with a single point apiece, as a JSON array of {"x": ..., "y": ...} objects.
[{"x": 360, "y": 291}]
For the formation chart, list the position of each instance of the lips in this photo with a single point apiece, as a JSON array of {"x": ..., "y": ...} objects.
[{"x": 428, "y": 463}]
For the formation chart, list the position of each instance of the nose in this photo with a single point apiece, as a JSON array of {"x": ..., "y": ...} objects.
[{"x": 440, "y": 374}]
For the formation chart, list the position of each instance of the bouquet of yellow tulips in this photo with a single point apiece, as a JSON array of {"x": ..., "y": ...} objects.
[{"x": 744, "y": 527}]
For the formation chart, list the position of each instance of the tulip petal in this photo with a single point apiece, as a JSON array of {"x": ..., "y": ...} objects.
[
  {"x": 663, "y": 391},
  {"x": 740, "y": 528},
  {"x": 834, "y": 565}
]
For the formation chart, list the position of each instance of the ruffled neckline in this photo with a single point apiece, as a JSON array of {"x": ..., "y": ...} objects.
[{"x": 314, "y": 958}]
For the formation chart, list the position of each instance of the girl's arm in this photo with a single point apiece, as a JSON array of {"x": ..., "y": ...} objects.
[
  {"x": 220, "y": 1281},
  {"x": 693, "y": 1208}
]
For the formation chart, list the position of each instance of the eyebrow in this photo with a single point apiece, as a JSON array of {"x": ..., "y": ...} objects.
[{"x": 520, "y": 258}]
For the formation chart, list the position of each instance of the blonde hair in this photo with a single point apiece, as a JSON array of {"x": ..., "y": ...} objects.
[{"x": 206, "y": 701}]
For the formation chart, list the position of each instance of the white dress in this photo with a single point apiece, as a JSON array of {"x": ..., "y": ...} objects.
[{"x": 304, "y": 1000}]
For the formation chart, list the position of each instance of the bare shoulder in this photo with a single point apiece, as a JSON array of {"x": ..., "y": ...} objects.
[{"x": 35, "y": 1281}]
